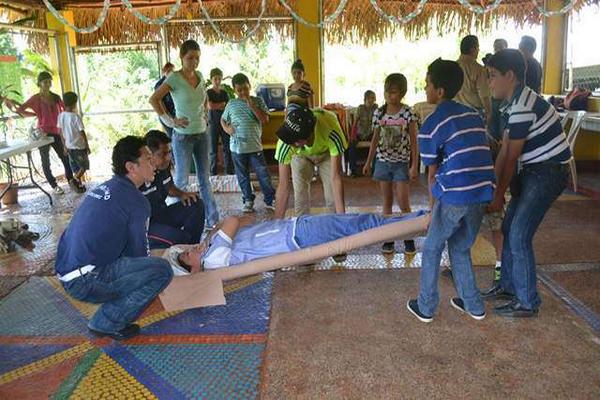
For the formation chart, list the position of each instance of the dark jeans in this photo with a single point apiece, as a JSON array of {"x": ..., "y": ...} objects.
[
  {"x": 124, "y": 288},
  {"x": 353, "y": 158},
  {"x": 177, "y": 224},
  {"x": 216, "y": 130},
  {"x": 242, "y": 171},
  {"x": 534, "y": 190},
  {"x": 457, "y": 225},
  {"x": 57, "y": 145}
]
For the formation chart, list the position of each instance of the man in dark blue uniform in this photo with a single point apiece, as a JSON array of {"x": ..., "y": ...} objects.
[
  {"x": 102, "y": 256},
  {"x": 178, "y": 223}
]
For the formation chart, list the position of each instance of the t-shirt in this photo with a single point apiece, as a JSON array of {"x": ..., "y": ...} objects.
[
  {"x": 71, "y": 125},
  {"x": 364, "y": 120},
  {"x": 329, "y": 138},
  {"x": 394, "y": 139},
  {"x": 217, "y": 97},
  {"x": 532, "y": 118},
  {"x": 251, "y": 242},
  {"x": 46, "y": 113},
  {"x": 110, "y": 223},
  {"x": 533, "y": 75},
  {"x": 475, "y": 91},
  {"x": 300, "y": 95},
  {"x": 454, "y": 138},
  {"x": 189, "y": 102},
  {"x": 248, "y": 129},
  {"x": 157, "y": 191}
]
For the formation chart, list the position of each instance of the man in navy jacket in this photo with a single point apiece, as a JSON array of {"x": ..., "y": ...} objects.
[{"x": 102, "y": 256}]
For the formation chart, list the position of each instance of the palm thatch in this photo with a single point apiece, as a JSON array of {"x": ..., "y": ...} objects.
[{"x": 359, "y": 23}]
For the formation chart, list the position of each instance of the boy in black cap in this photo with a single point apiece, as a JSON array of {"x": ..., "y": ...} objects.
[{"x": 310, "y": 138}]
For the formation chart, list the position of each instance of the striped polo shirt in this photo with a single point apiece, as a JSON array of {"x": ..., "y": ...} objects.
[
  {"x": 532, "y": 118},
  {"x": 454, "y": 138},
  {"x": 247, "y": 137}
]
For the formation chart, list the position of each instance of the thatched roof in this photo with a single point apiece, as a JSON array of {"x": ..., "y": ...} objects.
[{"x": 358, "y": 23}]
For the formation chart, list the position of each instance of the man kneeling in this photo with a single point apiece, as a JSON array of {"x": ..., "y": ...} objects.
[
  {"x": 238, "y": 241},
  {"x": 102, "y": 256}
]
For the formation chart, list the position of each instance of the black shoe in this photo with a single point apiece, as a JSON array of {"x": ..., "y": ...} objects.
[
  {"x": 409, "y": 247},
  {"x": 413, "y": 307},
  {"x": 388, "y": 248},
  {"x": 75, "y": 186},
  {"x": 496, "y": 292},
  {"x": 447, "y": 273},
  {"x": 514, "y": 309},
  {"x": 340, "y": 258},
  {"x": 129, "y": 331},
  {"x": 460, "y": 306}
]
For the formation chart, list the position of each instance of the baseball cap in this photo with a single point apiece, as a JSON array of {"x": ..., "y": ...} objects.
[{"x": 298, "y": 125}]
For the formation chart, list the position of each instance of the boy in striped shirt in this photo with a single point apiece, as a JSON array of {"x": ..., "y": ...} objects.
[
  {"x": 534, "y": 161},
  {"x": 454, "y": 146}
]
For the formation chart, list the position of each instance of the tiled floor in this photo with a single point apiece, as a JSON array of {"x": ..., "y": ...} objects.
[{"x": 218, "y": 352}]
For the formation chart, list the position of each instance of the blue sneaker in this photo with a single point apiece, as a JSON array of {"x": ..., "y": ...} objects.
[
  {"x": 413, "y": 307},
  {"x": 460, "y": 306}
]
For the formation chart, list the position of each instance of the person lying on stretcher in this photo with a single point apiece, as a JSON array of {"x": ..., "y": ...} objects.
[{"x": 239, "y": 240}]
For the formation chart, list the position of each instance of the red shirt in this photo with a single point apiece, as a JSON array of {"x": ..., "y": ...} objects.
[{"x": 47, "y": 113}]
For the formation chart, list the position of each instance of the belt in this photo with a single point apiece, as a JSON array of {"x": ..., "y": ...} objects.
[{"x": 76, "y": 273}]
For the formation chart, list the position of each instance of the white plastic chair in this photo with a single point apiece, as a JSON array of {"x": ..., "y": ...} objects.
[{"x": 576, "y": 118}]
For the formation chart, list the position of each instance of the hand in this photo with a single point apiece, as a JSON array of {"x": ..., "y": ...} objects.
[
  {"x": 496, "y": 204},
  {"x": 65, "y": 151},
  {"x": 187, "y": 198},
  {"x": 367, "y": 169},
  {"x": 181, "y": 122},
  {"x": 413, "y": 172}
]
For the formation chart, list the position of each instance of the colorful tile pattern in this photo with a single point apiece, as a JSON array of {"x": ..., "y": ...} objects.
[{"x": 210, "y": 353}]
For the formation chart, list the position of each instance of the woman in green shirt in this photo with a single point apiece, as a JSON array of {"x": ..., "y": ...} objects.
[{"x": 190, "y": 140}]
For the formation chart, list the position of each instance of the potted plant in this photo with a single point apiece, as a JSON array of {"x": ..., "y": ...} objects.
[{"x": 7, "y": 100}]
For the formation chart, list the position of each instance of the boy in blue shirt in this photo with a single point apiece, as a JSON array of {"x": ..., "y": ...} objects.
[
  {"x": 243, "y": 119},
  {"x": 454, "y": 146},
  {"x": 102, "y": 256},
  {"x": 533, "y": 160}
]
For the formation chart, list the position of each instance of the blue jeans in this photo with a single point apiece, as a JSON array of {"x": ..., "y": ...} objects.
[
  {"x": 312, "y": 230},
  {"x": 124, "y": 288},
  {"x": 457, "y": 225},
  {"x": 186, "y": 148},
  {"x": 216, "y": 131},
  {"x": 242, "y": 164},
  {"x": 176, "y": 224},
  {"x": 533, "y": 191}
]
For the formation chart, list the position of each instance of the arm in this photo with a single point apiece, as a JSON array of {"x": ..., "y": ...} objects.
[
  {"x": 22, "y": 109},
  {"x": 311, "y": 100},
  {"x": 283, "y": 190},
  {"x": 262, "y": 116},
  {"x": 414, "y": 150},
  {"x": 228, "y": 128},
  {"x": 337, "y": 185},
  {"x": 372, "y": 148},
  {"x": 187, "y": 198},
  {"x": 505, "y": 167},
  {"x": 216, "y": 105},
  {"x": 85, "y": 139},
  {"x": 159, "y": 108},
  {"x": 64, "y": 142}
]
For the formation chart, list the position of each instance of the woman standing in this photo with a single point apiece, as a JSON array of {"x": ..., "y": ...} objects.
[
  {"x": 189, "y": 140},
  {"x": 299, "y": 93},
  {"x": 46, "y": 106}
]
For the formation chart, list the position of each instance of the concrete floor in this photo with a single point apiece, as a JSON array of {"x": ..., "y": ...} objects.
[{"x": 345, "y": 333}]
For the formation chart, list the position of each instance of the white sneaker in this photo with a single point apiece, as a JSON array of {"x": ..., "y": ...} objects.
[
  {"x": 58, "y": 190},
  {"x": 270, "y": 207}
]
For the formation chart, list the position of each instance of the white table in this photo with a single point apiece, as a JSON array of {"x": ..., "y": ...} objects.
[{"x": 22, "y": 147}]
